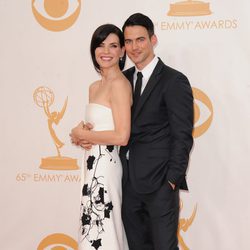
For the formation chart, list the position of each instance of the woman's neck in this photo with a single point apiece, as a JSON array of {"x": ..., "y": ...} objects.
[{"x": 110, "y": 73}]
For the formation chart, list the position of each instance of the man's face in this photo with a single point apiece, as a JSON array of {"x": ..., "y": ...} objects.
[{"x": 139, "y": 46}]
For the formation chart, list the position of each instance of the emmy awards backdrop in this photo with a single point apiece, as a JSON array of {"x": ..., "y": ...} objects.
[
  {"x": 44, "y": 98},
  {"x": 47, "y": 41}
]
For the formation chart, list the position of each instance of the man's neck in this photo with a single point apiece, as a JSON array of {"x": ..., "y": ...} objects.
[{"x": 141, "y": 66}]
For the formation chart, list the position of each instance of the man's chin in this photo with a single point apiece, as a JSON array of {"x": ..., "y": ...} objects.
[{"x": 136, "y": 60}]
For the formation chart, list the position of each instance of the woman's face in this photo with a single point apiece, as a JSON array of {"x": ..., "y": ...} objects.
[{"x": 109, "y": 52}]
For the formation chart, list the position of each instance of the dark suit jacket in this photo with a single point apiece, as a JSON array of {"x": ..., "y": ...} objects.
[{"x": 161, "y": 131}]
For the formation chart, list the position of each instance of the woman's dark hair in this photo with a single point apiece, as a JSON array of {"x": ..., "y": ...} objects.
[
  {"x": 141, "y": 20},
  {"x": 100, "y": 34}
]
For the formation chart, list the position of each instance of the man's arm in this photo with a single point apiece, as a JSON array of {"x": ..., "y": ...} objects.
[{"x": 179, "y": 101}]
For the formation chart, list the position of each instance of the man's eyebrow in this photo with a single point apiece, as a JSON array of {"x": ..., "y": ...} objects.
[{"x": 128, "y": 39}]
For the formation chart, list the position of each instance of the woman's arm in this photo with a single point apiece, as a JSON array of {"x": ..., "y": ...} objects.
[{"x": 121, "y": 110}]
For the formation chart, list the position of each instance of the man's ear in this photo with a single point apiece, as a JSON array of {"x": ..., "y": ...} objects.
[{"x": 154, "y": 40}]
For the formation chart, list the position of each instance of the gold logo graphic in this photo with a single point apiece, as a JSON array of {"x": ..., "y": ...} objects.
[
  {"x": 58, "y": 242},
  {"x": 189, "y": 8},
  {"x": 56, "y": 11},
  {"x": 184, "y": 225},
  {"x": 202, "y": 108},
  {"x": 44, "y": 98}
]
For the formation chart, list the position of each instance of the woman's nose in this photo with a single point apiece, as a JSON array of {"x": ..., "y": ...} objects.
[{"x": 106, "y": 49}]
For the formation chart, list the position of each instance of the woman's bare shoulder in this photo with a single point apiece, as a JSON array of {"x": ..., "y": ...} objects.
[
  {"x": 94, "y": 84},
  {"x": 121, "y": 82}
]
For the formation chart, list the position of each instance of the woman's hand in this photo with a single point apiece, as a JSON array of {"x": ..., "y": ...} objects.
[
  {"x": 76, "y": 132},
  {"x": 77, "y": 135}
]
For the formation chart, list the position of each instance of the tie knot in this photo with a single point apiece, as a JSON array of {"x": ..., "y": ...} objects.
[{"x": 139, "y": 75}]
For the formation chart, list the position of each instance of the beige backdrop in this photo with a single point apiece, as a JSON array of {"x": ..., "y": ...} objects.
[{"x": 45, "y": 71}]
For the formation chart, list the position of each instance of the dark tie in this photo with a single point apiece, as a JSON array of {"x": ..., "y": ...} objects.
[{"x": 137, "y": 92}]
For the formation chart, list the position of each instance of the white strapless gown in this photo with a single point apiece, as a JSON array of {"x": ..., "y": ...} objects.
[{"x": 101, "y": 225}]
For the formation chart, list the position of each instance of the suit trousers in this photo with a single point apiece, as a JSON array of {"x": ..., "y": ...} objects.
[{"x": 151, "y": 220}]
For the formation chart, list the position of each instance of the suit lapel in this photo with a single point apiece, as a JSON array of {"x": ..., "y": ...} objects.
[{"x": 152, "y": 82}]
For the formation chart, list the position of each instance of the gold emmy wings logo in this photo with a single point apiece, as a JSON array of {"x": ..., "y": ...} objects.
[
  {"x": 184, "y": 225},
  {"x": 56, "y": 10},
  {"x": 189, "y": 8},
  {"x": 58, "y": 242},
  {"x": 44, "y": 98},
  {"x": 202, "y": 108}
]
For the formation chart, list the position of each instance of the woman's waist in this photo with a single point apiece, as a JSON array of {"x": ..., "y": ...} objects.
[
  {"x": 110, "y": 148},
  {"x": 103, "y": 150}
]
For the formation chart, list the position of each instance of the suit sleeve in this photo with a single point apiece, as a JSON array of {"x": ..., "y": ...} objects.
[{"x": 179, "y": 100}]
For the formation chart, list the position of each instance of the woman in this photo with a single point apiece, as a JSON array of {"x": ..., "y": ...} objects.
[{"x": 109, "y": 113}]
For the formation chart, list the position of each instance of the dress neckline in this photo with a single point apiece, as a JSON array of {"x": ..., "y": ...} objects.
[{"x": 104, "y": 106}]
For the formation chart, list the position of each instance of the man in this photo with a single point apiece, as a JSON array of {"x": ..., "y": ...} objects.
[{"x": 156, "y": 157}]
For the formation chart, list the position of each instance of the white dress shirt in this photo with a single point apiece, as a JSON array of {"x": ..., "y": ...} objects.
[{"x": 146, "y": 72}]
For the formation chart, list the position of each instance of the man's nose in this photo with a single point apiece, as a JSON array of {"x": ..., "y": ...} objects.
[{"x": 134, "y": 45}]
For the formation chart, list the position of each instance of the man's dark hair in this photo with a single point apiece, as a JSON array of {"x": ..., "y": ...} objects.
[
  {"x": 100, "y": 34},
  {"x": 141, "y": 20}
]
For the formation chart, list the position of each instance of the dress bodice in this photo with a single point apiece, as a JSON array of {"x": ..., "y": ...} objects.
[{"x": 99, "y": 116}]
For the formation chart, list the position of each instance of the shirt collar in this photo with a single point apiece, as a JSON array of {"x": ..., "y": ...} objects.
[{"x": 148, "y": 70}]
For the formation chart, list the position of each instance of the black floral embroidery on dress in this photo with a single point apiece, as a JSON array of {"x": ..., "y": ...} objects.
[
  {"x": 101, "y": 196},
  {"x": 108, "y": 209},
  {"x": 85, "y": 190},
  {"x": 90, "y": 162},
  {"x": 94, "y": 210},
  {"x": 110, "y": 148},
  {"x": 96, "y": 243},
  {"x": 86, "y": 219}
]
